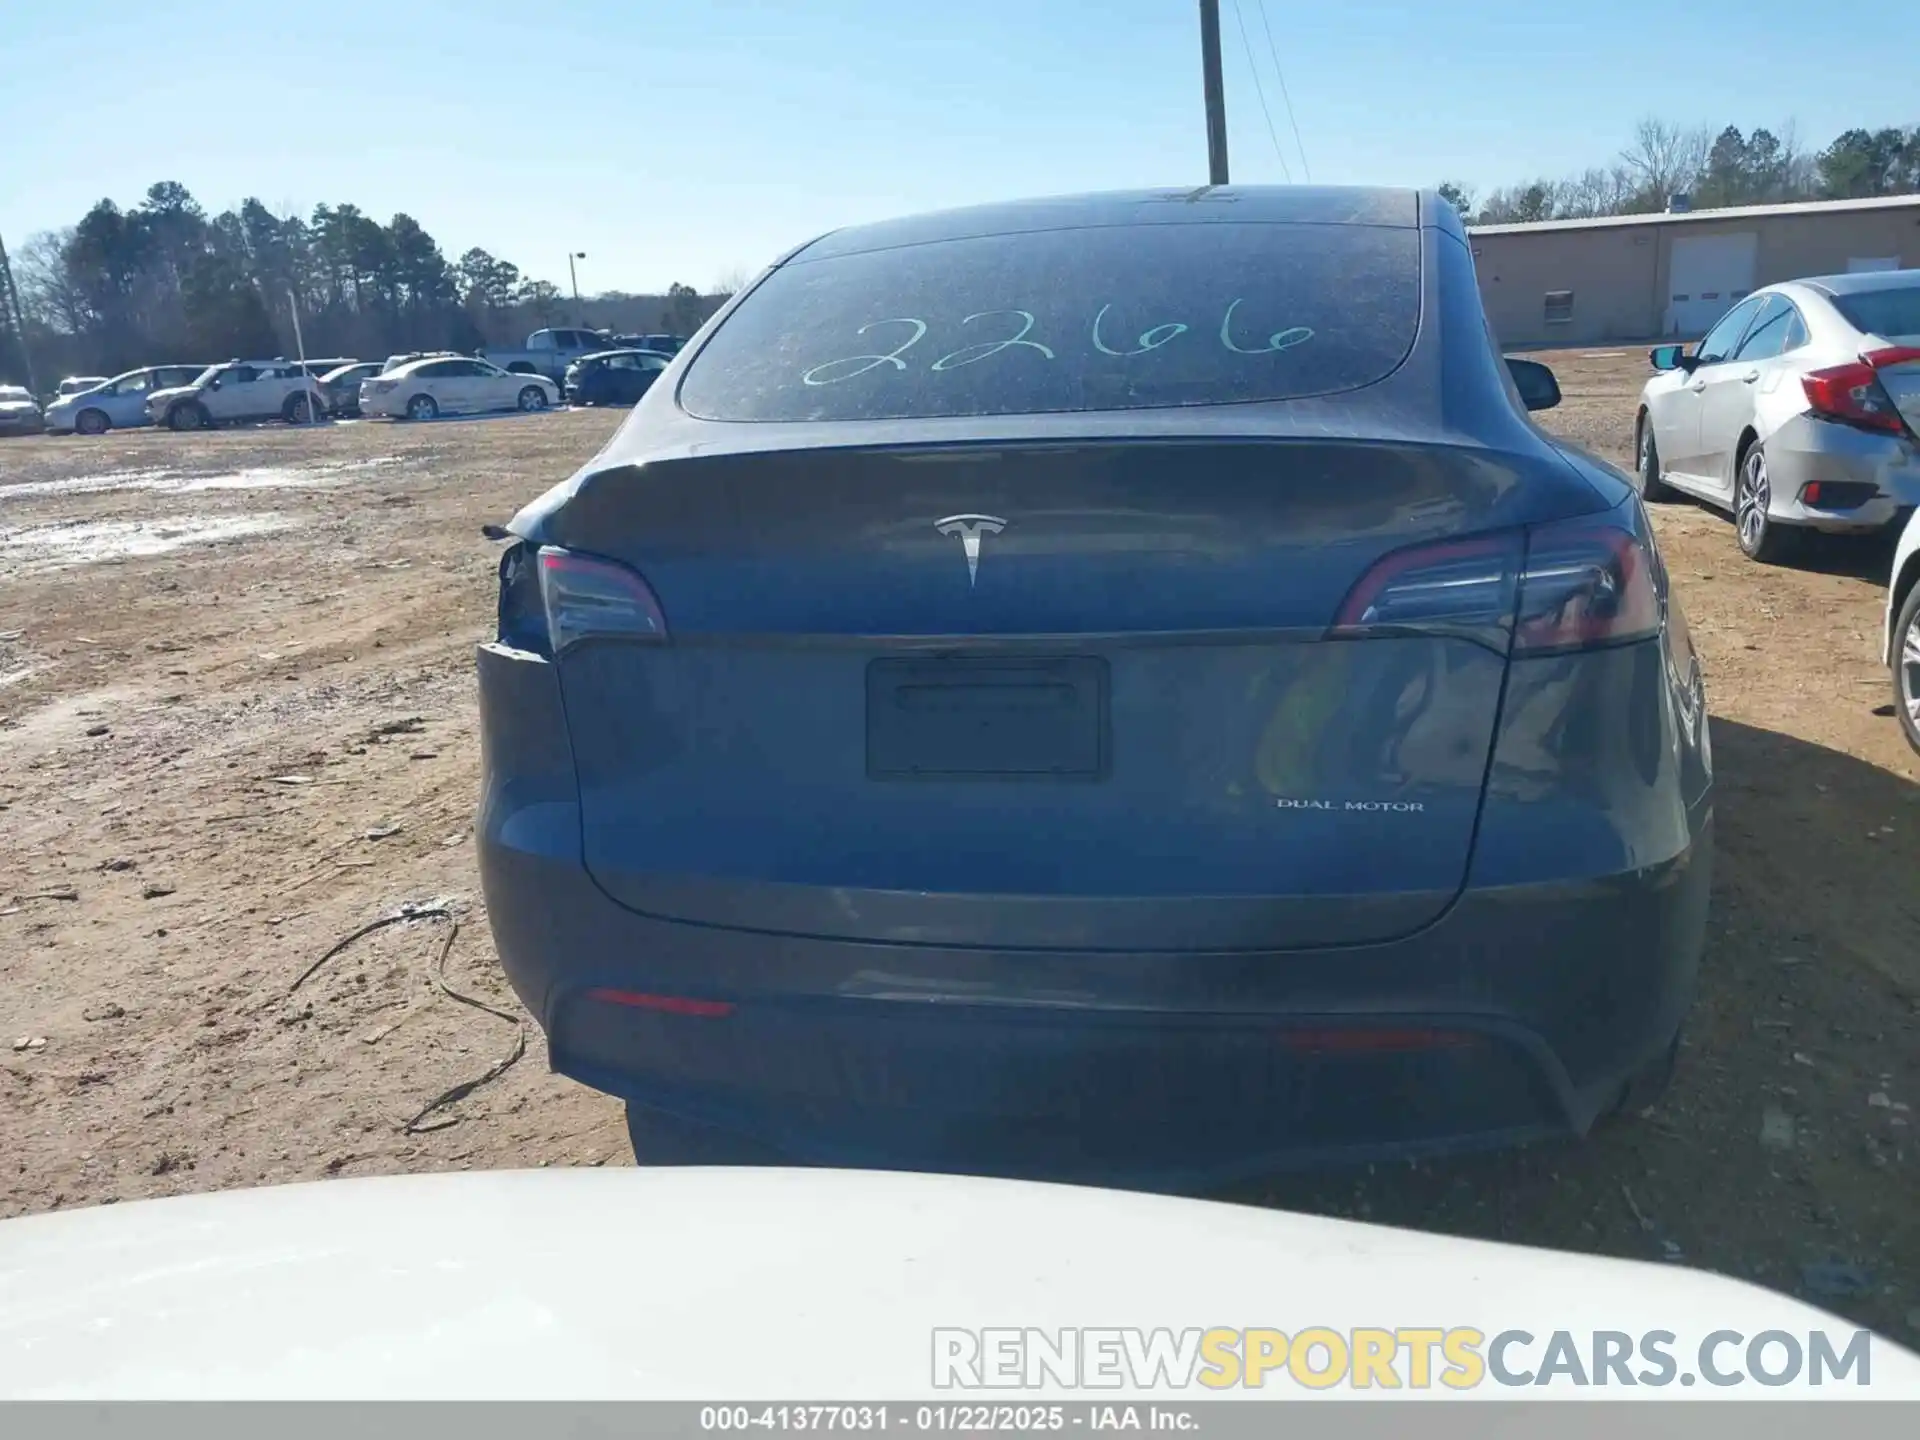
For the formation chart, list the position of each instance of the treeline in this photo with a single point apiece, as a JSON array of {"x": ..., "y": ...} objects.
[
  {"x": 163, "y": 281},
  {"x": 1713, "y": 170}
]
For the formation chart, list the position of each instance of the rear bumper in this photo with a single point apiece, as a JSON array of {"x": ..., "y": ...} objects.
[
  {"x": 1522, "y": 1014},
  {"x": 1523, "y": 1011},
  {"x": 1805, "y": 450}
]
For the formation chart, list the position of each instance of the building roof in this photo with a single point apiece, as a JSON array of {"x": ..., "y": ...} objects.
[{"x": 1731, "y": 212}]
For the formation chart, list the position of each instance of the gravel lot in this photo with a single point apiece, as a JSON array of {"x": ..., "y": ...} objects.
[{"x": 236, "y": 724}]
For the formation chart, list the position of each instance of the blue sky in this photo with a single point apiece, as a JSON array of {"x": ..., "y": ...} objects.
[{"x": 684, "y": 139}]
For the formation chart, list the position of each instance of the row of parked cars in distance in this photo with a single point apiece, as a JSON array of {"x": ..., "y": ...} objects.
[
  {"x": 589, "y": 366},
  {"x": 23, "y": 414},
  {"x": 552, "y": 352}
]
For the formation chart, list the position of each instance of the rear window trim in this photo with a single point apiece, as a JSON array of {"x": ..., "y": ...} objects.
[{"x": 800, "y": 256}]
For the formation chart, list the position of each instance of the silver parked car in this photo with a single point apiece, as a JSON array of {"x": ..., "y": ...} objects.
[
  {"x": 19, "y": 411},
  {"x": 1797, "y": 411},
  {"x": 116, "y": 404}
]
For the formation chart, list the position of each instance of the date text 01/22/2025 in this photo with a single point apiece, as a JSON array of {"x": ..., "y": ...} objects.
[{"x": 963, "y": 1418}]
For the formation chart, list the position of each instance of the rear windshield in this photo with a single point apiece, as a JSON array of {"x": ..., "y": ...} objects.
[
  {"x": 1115, "y": 318},
  {"x": 1892, "y": 313}
]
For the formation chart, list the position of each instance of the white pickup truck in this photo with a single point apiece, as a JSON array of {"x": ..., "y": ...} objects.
[{"x": 549, "y": 352}]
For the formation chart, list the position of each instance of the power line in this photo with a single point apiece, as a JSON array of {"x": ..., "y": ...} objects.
[
  {"x": 1272, "y": 50},
  {"x": 1260, "y": 90}
]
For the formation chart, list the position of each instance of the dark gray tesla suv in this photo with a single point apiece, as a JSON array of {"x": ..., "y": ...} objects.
[{"x": 1108, "y": 688}]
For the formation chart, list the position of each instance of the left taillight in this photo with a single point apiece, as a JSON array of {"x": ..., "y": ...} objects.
[
  {"x": 1856, "y": 393},
  {"x": 585, "y": 597}
]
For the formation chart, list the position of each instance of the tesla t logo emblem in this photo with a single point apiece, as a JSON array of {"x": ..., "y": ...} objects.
[{"x": 970, "y": 528}]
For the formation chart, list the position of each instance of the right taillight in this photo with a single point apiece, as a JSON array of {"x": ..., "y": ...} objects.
[
  {"x": 1568, "y": 585},
  {"x": 1852, "y": 394},
  {"x": 587, "y": 598},
  {"x": 1587, "y": 583}
]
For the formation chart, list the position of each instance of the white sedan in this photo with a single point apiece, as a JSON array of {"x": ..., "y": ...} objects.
[
  {"x": 453, "y": 385},
  {"x": 1900, "y": 641}
]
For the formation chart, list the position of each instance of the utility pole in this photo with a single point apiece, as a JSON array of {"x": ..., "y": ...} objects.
[
  {"x": 1216, "y": 92},
  {"x": 573, "y": 255},
  {"x": 300, "y": 344},
  {"x": 16, "y": 318}
]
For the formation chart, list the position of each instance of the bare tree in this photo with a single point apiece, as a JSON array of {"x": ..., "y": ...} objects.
[
  {"x": 1799, "y": 168},
  {"x": 1522, "y": 204},
  {"x": 1593, "y": 192},
  {"x": 1665, "y": 159},
  {"x": 731, "y": 281},
  {"x": 47, "y": 291}
]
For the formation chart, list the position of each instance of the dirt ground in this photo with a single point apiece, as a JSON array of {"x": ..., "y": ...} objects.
[{"x": 237, "y": 723}]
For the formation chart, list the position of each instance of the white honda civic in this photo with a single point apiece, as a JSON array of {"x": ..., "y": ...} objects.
[
  {"x": 1900, "y": 641},
  {"x": 453, "y": 385}
]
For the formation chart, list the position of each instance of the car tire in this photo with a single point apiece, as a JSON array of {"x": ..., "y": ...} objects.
[
  {"x": 189, "y": 415},
  {"x": 423, "y": 407},
  {"x": 299, "y": 409},
  {"x": 533, "y": 398},
  {"x": 1906, "y": 667},
  {"x": 1758, "y": 534},
  {"x": 662, "y": 1139},
  {"x": 1653, "y": 488},
  {"x": 91, "y": 422}
]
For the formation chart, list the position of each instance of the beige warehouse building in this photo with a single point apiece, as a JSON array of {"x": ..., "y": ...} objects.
[{"x": 1624, "y": 278}]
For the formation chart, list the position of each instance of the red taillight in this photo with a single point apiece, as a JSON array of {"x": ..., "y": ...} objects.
[
  {"x": 1450, "y": 582},
  {"x": 1852, "y": 394},
  {"x": 665, "y": 1004},
  {"x": 589, "y": 598},
  {"x": 1587, "y": 582},
  {"x": 1564, "y": 586}
]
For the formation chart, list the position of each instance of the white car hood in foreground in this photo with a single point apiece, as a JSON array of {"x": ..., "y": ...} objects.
[{"x": 765, "y": 1284}]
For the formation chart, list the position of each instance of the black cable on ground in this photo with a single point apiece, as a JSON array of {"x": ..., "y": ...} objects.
[{"x": 454, "y": 1093}]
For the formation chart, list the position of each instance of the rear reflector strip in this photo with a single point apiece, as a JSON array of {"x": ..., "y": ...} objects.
[
  {"x": 1373, "y": 1041},
  {"x": 665, "y": 1004},
  {"x": 1837, "y": 494}
]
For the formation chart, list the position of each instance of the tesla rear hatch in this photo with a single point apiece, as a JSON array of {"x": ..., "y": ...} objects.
[{"x": 936, "y": 641}]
